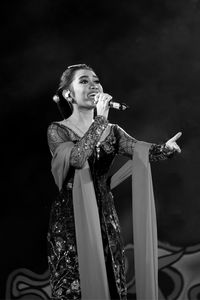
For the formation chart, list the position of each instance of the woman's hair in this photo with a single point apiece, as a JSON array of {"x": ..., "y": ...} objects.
[{"x": 64, "y": 106}]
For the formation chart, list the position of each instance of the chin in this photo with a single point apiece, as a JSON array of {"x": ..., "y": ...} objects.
[{"x": 92, "y": 104}]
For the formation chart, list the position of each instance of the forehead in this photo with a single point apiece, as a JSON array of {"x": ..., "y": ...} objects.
[{"x": 87, "y": 73}]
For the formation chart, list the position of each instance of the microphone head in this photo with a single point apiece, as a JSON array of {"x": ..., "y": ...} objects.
[{"x": 124, "y": 106}]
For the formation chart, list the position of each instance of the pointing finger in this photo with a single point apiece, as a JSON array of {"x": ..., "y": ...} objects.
[{"x": 176, "y": 137}]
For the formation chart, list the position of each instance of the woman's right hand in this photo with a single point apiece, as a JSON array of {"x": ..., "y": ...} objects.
[{"x": 102, "y": 104}]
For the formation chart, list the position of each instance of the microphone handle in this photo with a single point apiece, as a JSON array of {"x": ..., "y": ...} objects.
[{"x": 118, "y": 105}]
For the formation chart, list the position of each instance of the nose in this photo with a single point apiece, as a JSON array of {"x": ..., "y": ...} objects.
[{"x": 93, "y": 86}]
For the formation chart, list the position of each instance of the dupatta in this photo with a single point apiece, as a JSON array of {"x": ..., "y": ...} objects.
[
  {"x": 93, "y": 277},
  {"x": 144, "y": 221},
  {"x": 92, "y": 269}
]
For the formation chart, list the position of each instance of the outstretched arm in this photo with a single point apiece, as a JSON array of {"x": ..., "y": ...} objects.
[
  {"x": 126, "y": 144},
  {"x": 164, "y": 151}
]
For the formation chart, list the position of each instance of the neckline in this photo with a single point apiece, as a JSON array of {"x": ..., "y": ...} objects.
[
  {"x": 80, "y": 137},
  {"x": 71, "y": 125}
]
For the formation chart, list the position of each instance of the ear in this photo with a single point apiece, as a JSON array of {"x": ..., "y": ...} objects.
[{"x": 66, "y": 94}]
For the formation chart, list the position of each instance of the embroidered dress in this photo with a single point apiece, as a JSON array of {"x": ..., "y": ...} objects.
[{"x": 62, "y": 247}]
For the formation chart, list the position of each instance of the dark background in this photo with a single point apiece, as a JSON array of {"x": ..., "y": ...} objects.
[{"x": 147, "y": 54}]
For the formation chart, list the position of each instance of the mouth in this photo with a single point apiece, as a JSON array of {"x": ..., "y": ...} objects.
[{"x": 92, "y": 95}]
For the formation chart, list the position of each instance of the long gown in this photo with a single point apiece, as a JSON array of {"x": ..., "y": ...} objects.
[{"x": 61, "y": 237}]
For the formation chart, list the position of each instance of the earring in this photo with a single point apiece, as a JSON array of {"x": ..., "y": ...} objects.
[{"x": 66, "y": 94}]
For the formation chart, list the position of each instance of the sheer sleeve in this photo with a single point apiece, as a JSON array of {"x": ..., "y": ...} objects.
[
  {"x": 56, "y": 136},
  {"x": 126, "y": 144},
  {"x": 159, "y": 152},
  {"x": 83, "y": 148}
]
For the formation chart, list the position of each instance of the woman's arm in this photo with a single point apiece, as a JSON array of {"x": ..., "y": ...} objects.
[
  {"x": 56, "y": 136},
  {"x": 126, "y": 144},
  {"x": 159, "y": 152},
  {"x": 82, "y": 149}
]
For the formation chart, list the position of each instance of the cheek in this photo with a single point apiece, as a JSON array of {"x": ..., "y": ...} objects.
[
  {"x": 75, "y": 92},
  {"x": 72, "y": 90},
  {"x": 73, "y": 95},
  {"x": 101, "y": 89}
]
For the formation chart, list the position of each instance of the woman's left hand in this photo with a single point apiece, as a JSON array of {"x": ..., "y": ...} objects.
[{"x": 172, "y": 145}]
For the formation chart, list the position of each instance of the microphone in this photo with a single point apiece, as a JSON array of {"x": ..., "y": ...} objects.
[
  {"x": 118, "y": 105},
  {"x": 112, "y": 104}
]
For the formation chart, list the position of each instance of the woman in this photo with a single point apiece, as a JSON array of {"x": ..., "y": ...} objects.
[{"x": 83, "y": 146}]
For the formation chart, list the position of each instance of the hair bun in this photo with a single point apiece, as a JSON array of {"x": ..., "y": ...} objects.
[{"x": 56, "y": 98}]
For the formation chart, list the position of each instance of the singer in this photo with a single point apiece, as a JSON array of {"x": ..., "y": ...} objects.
[{"x": 85, "y": 247}]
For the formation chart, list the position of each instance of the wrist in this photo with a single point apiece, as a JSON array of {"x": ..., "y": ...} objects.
[
  {"x": 101, "y": 117},
  {"x": 167, "y": 150}
]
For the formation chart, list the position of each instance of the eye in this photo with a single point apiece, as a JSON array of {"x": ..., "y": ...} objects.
[
  {"x": 84, "y": 81},
  {"x": 97, "y": 81}
]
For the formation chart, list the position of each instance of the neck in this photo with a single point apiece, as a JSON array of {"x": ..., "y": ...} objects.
[{"x": 82, "y": 116}]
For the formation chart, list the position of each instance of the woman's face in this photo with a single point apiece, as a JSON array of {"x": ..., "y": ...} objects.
[{"x": 84, "y": 87}]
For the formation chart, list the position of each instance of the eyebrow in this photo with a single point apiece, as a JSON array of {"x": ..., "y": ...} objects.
[{"x": 86, "y": 76}]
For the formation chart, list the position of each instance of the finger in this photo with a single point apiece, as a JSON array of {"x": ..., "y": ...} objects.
[
  {"x": 96, "y": 98},
  {"x": 108, "y": 98},
  {"x": 101, "y": 97},
  {"x": 176, "y": 137},
  {"x": 177, "y": 148},
  {"x": 105, "y": 99}
]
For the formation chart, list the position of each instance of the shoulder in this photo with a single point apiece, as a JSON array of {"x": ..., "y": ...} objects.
[
  {"x": 55, "y": 125},
  {"x": 119, "y": 131},
  {"x": 52, "y": 127},
  {"x": 60, "y": 123},
  {"x": 56, "y": 128}
]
